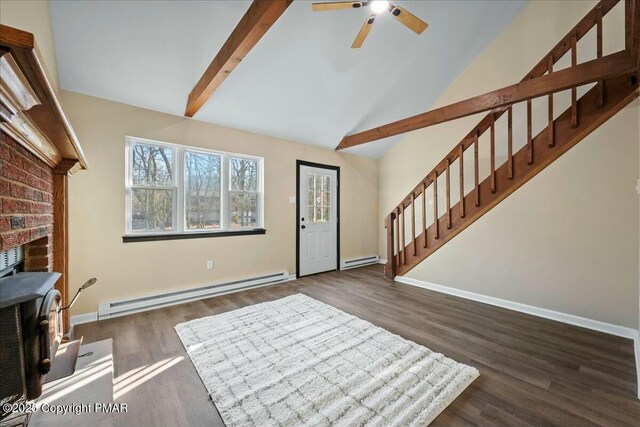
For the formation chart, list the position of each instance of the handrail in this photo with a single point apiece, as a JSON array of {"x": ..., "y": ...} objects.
[
  {"x": 590, "y": 20},
  {"x": 444, "y": 227}
]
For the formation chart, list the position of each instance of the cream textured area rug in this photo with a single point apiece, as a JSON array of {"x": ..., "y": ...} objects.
[{"x": 296, "y": 361}]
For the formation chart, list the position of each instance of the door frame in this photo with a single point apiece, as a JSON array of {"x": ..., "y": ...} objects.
[{"x": 322, "y": 166}]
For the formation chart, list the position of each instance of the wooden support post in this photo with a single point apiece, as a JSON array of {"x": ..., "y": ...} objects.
[
  {"x": 600, "y": 83},
  {"x": 390, "y": 266},
  {"x": 476, "y": 172},
  {"x": 493, "y": 155},
  {"x": 461, "y": 167},
  {"x": 398, "y": 248},
  {"x": 424, "y": 212},
  {"x": 551, "y": 126},
  {"x": 574, "y": 90},
  {"x": 529, "y": 135},
  {"x": 510, "y": 143},
  {"x": 435, "y": 206},
  {"x": 402, "y": 237},
  {"x": 413, "y": 224},
  {"x": 448, "y": 192}
]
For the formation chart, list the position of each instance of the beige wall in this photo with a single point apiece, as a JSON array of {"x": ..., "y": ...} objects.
[
  {"x": 97, "y": 206},
  {"x": 34, "y": 17},
  {"x": 566, "y": 241}
]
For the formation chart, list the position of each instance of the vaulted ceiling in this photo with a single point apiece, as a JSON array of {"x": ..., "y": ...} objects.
[{"x": 301, "y": 82}]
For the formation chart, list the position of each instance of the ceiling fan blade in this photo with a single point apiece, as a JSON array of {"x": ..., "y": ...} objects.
[
  {"x": 409, "y": 20},
  {"x": 336, "y": 5},
  {"x": 364, "y": 31}
]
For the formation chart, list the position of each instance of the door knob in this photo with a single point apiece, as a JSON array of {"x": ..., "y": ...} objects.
[{"x": 303, "y": 227}]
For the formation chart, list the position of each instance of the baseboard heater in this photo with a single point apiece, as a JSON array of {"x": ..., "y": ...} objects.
[
  {"x": 120, "y": 308},
  {"x": 353, "y": 263}
]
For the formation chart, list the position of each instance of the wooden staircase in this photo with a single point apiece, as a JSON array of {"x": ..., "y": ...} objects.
[{"x": 411, "y": 240}]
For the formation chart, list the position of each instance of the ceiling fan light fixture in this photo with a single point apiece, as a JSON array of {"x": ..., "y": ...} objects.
[{"x": 379, "y": 6}]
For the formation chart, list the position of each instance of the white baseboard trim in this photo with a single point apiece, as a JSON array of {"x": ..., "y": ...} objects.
[
  {"x": 93, "y": 316},
  {"x": 596, "y": 325},
  {"x": 382, "y": 261},
  {"x": 79, "y": 319}
]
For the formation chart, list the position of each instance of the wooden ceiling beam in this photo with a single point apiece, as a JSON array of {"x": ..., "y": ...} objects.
[
  {"x": 262, "y": 14},
  {"x": 599, "y": 69}
]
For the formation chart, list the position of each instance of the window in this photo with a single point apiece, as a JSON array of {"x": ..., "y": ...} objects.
[
  {"x": 318, "y": 198},
  {"x": 243, "y": 191},
  {"x": 173, "y": 189},
  {"x": 153, "y": 188}
]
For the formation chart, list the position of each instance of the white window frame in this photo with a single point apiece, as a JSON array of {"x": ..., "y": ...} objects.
[
  {"x": 259, "y": 190},
  {"x": 179, "y": 185}
]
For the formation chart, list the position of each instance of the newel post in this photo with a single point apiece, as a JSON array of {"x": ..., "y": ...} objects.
[{"x": 390, "y": 266}]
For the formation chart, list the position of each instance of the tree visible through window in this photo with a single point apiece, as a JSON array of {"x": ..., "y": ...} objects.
[
  {"x": 202, "y": 192},
  {"x": 174, "y": 189},
  {"x": 153, "y": 190},
  {"x": 243, "y": 203}
]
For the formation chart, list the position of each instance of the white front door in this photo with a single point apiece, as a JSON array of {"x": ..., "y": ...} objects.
[{"x": 317, "y": 220}]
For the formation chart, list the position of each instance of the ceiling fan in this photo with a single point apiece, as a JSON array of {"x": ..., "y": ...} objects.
[{"x": 405, "y": 17}]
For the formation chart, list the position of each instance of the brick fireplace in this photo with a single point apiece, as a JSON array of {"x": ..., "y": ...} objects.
[
  {"x": 26, "y": 200},
  {"x": 39, "y": 151}
]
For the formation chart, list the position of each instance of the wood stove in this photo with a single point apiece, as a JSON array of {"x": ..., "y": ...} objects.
[{"x": 31, "y": 331}]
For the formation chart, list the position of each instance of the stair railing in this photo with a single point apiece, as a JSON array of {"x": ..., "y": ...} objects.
[{"x": 430, "y": 234}]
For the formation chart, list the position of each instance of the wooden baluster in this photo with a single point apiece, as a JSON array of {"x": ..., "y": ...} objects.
[
  {"x": 629, "y": 7},
  {"x": 529, "y": 137},
  {"x": 476, "y": 173},
  {"x": 448, "y": 193},
  {"x": 493, "y": 154},
  {"x": 435, "y": 205},
  {"x": 390, "y": 267},
  {"x": 413, "y": 223},
  {"x": 461, "y": 165},
  {"x": 551, "y": 125},
  {"x": 600, "y": 84},
  {"x": 404, "y": 243},
  {"x": 399, "y": 249},
  {"x": 424, "y": 212},
  {"x": 574, "y": 90},
  {"x": 510, "y": 143}
]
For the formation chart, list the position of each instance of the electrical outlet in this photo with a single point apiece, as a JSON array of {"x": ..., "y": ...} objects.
[{"x": 210, "y": 264}]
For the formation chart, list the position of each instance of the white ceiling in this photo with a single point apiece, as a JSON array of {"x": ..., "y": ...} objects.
[{"x": 302, "y": 82}]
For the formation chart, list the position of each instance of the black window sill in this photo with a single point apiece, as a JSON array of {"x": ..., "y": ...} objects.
[{"x": 194, "y": 235}]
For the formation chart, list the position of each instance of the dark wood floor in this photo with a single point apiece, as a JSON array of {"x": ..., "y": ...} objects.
[{"x": 532, "y": 371}]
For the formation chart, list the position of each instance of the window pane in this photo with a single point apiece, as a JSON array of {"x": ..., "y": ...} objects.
[
  {"x": 244, "y": 174},
  {"x": 310, "y": 211},
  {"x": 151, "y": 210},
  {"x": 310, "y": 182},
  {"x": 152, "y": 165},
  {"x": 202, "y": 190},
  {"x": 243, "y": 209}
]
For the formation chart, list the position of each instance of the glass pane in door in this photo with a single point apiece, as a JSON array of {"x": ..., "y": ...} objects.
[{"x": 319, "y": 197}]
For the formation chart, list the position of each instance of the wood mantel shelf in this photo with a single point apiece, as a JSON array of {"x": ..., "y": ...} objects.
[
  {"x": 30, "y": 114},
  {"x": 29, "y": 108}
]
